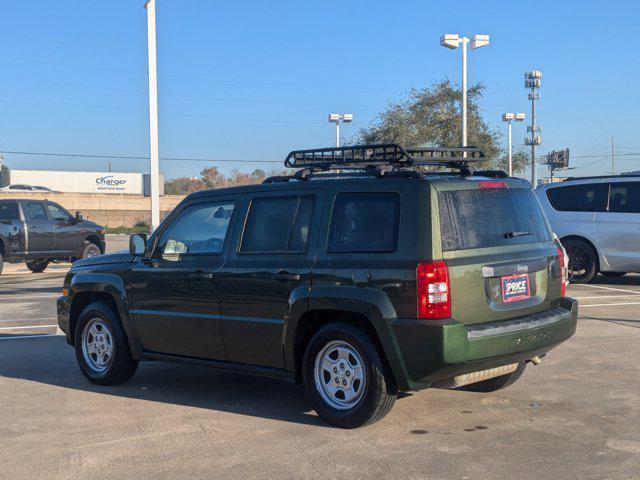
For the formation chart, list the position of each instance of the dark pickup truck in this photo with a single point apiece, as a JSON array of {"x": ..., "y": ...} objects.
[{"x": 40, "y": 232}]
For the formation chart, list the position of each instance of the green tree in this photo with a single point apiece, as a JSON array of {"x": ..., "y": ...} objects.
[
  {"x": 4, "y": 176},
  {"x": 431, "y": 117},
  {"x": 182, "y": 186}
]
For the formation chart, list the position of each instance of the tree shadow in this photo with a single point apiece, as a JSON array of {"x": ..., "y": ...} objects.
[{"x": 49, "y": 360}]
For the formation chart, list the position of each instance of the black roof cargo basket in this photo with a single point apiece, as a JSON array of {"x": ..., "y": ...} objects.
[
  {"x": 391, "y": 154},
  {"x": 380, "y": 159}
]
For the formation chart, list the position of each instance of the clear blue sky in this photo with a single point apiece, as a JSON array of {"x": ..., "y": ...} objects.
[{"x": 255, "y": 79}]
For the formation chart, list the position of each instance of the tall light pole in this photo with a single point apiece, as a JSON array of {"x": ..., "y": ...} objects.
[
  {"x": 337, "y": 118},
  {"x": 510, "y": 117},
  {"x": 532, "y": 80},
  {"x": 150, "y": 5},
  {"x": 453, "y": 41}
]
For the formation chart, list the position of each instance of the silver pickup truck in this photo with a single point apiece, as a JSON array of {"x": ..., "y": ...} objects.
[{"x": 40, "y": 232}]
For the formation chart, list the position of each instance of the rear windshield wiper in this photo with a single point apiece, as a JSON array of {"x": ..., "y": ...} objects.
[{"x": 517, "y": 234}]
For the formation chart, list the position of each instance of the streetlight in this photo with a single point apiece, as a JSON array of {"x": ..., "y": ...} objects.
[
  {"x": 453, "y": 41},
  {"x": 336, "y": 118},
  {"x": 150, "y": 5},
  {"x": 509, "y": 117}
]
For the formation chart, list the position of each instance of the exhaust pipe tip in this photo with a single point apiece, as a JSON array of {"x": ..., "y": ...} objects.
[{"x": 536, "y": 360}]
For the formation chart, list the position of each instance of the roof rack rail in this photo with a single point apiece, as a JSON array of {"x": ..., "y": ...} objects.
[{"x": 377, "y": 155}]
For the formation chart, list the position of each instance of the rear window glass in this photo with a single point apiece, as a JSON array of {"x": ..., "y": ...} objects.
[
  {"x": 490, "y": 218},
  {"x": 9, "y": 211},
  {"x": 364, "y": 222},
  {"x": 579, "y": 198}
]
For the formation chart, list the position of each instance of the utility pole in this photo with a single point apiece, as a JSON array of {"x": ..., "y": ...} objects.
[
  {"x": 150, "y": 5},
  {"x": 453, "y": 41},
  {"x": 613, "y": 159},
  {"x": 509, "y": 117},
  {"x": 337, "y": 118},
  {"x": 532, "y": 81}
]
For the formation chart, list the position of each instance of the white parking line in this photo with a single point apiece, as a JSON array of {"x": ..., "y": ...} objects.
[
  {"x": 28, "y": 327},
  {"x": 609, "y": 304},
  {"x": 610, "y": 288},
  {"x": 23, "y": 337},
  {"x": 604, "y": 296}
]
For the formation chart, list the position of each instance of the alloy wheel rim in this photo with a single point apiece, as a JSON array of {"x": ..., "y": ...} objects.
[
  {"x": 92, "y": 252},
  {"x": 340, "y": 376},
  {"x": 579, "y": 263},
  {"x": 97, "y": 345}
]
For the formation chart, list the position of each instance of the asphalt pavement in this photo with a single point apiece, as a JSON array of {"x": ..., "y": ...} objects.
[{"x": 575, "y": 416}]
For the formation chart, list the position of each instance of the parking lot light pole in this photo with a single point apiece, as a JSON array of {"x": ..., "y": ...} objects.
[
  {"x": 510, "y": 117},
  {"x": 150, "y": 5},
  {"x": 337, "y": 118},
  {"x": 453, "y": 41}
]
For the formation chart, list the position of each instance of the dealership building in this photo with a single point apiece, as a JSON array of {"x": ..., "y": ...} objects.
[
  {"x": 111, "y": 199},
  {"x": 86, "y": 182}
]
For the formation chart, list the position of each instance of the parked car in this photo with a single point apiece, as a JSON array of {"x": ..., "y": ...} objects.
[
  {"x": 598, "y": 221},
  {"x": 40, "y": 232},
  {"x": 359, "y": 276},
  {"x": 25, "y": 188}
]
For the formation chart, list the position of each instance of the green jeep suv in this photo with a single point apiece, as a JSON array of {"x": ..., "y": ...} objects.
[{"x": 371, "y": 271}]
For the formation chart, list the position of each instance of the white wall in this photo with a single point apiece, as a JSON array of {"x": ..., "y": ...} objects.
[{"x": 81, "y": 182}]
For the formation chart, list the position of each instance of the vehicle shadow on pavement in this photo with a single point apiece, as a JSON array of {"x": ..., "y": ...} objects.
[
  {"x": 50, "y": 361},
  {"x": 629, "y": 279}
]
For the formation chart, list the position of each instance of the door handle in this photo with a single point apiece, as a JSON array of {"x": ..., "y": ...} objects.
[
  {"x": 201, "y": 275},
  {"x": 284, "y": 276}
]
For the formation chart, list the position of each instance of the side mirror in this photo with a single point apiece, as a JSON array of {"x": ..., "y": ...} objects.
[
  {"x": 137, "y": 244},
  {"x": 79, "y": 217}
]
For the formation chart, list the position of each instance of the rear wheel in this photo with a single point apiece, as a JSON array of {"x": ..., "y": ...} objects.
[
  {"x": 90, "y": 250},
  {"x": 583, "y": 261},
  {"x": 496, "y": 383},
  {"x": 37, "y": 266},
  {"x": 613, "y": 274},
  {"x": 101, "y": 346},
  {"x": 346, "y": 378}
]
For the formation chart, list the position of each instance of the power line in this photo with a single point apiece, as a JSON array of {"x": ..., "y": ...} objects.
[{"x": 135, "y": 157}]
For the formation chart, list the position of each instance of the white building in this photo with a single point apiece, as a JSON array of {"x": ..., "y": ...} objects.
[{"x": 86, "y": 182}]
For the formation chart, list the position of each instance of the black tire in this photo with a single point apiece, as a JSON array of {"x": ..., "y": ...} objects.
[
  {"x": 37, "y": 266},
  {"x": 613, "y": 274},
  {"x": 120, "y": 365},
  {"x": 90, "y": 249},
  {"x": 583, "y": 261},
  {"x": 378, "y": 387},
  {"x": 496, "y": 383}
]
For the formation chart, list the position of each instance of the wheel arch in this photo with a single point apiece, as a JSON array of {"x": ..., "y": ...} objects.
[
  {"x": 373, "y": 315},
  {"x": 92, "y": 287},
  {"x": 589, "y": 242}
]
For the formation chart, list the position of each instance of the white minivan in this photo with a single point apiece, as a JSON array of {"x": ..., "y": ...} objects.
[{"x": 598, "y": 221}]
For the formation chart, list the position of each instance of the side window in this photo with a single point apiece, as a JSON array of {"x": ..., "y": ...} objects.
[
  {"x": 624, "y": 197},
  {"x": 277, "y": 224},
  {"x": 34, "y": 211},
  {"x": 198, "y": 229},
  {"x": 58, "y": 213},
  {"x": 8, "y": 211},
  {"x": 364, "y": 222},
  {"x": 579, "y": 198}
]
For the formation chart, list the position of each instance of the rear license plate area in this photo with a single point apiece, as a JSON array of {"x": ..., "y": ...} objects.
[{"x": 515, "y": 287}]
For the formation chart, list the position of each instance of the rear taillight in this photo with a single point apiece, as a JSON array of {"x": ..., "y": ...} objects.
[
  {"x": 563, "y": 272},
  {"x": 434, "y": 291}
]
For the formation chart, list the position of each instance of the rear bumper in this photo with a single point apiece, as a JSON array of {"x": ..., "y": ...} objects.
[{"x": 436, "y": 350}]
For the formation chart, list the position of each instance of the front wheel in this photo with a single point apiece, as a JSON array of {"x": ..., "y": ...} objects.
[
  {"x": 90, "y": 250},
  {"x": 101, "y": 346},
  {"x": 37, "y": 266},
  {"x": 583, "y": 261},
  {"x": 345, "y": 377}
]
